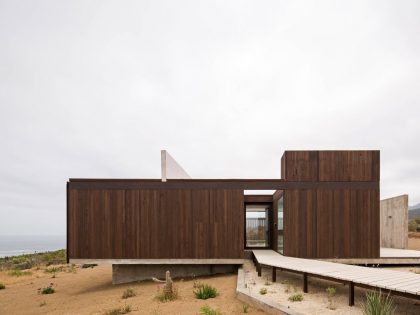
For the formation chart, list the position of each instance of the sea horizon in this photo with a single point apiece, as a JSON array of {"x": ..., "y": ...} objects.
[{"x": 14, "y": 245}]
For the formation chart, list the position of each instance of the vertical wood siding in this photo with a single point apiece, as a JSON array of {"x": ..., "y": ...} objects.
[
  {"x": 331, "y": 223},
  {"x": 141, "y": 224}
]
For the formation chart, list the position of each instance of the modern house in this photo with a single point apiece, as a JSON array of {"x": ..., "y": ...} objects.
[{"x": 325, "y": 205}]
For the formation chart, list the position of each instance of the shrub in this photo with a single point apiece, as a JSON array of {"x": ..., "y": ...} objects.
[
  {"x": 19, "y": 273},
  {"x": 296, "y": 297},
  {"x": 205, "y": 292},
  {"x": 53, "y": 269},
  {"x": 263, "y": 291},
  {"x": 2, "y": 286},
  {"x": 245, "y": 308},
  {"x": 207, "y": 310},
  {"x": 129, "y": 292},
  {"x": 47, "y": 290},
  {"x": 378, "y": 304},
  {"x": 167, "y": 295},
  {"x": 331, "y": 291},
  {"x": 119, "y": 310},
  {"x": 27, "y": 261}
]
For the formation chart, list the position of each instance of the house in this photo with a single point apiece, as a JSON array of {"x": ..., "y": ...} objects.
[{"x": 325, "y": 205}]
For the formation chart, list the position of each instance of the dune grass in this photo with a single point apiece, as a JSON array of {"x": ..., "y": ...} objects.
[{"x": 28, "y": 261}]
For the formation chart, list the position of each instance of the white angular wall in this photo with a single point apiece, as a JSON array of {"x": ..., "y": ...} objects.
[{"x": 170, "y": 168}]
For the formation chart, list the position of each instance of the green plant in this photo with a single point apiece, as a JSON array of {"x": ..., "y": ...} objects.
[
  {"x": 129, "y": 292},
  {"x": 2, "y": 286},
  {"x": 166, "y": 295},
  {"x": 331, "y": 291},
  {"x": 53, "y": 269},
  {"x": 27, "y": 261},
  {"x": 19, "y": 273},
  {"x": 119, "y": 310},
  {"x": 263, "y": 291},
  {"x": 205, "y": 292},
  {"x": 207, "y": 310},
  {"x": 378, "y": 304},
  {"x": 245, "y": 308},
  {"x": 296, "y": 297},
  {"x": 47, "y": 290}
]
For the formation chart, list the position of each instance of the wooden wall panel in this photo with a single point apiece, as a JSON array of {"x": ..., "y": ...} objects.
[
  {"x": 300, "y": 166},
  {"x": 300, "y": 223},
  {"x": 331, "y": 223},
  {"x": 349, "y": 165},
  {"x": 141, "y": 224}
]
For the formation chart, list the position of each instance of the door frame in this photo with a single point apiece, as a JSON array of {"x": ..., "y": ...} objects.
[{"x": 270, "y": 224}]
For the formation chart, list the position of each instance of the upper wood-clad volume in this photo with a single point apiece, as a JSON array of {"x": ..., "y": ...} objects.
[{"x": 333, "y": 166}]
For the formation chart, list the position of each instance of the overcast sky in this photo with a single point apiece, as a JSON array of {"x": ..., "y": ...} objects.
[{"x": 97, "y": 88}]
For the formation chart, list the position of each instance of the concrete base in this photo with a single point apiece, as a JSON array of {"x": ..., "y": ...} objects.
[{"x": 130, "y": 273}]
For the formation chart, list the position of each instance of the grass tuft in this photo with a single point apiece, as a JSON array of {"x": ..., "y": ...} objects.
[
  {"x": 53, "y": 269},
  {"x": 207, "y": 310},
  {"x": 119, "y": 310},
  {"x": 298, "y": 297},
  {"x": 205, "y": 291},
  {"x": 129, "y": 292},
  {"x": 245, "y": 308},
  {"x": 263, "y": 291},
  {"x": 378, "y": 304},
  {"x": 19, "y": 273},
  {"x": 2, "y": 286},
  {"x": 47, "y": 290}
]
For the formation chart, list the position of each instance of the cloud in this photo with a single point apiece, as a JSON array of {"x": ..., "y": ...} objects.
[{"x": 97, "y": 89}]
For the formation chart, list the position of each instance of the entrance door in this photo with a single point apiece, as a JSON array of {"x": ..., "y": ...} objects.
[{"x": 257, "y": 225}]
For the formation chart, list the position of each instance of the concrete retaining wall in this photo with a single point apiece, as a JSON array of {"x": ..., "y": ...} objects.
[
  {"x": 130, "y": 273},
  {"x": 394, "y": 222}
]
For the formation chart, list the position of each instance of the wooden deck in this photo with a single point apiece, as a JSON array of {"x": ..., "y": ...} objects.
[
  {"x": 389, "y": 256},
  {"x": 395, "y": 282}
]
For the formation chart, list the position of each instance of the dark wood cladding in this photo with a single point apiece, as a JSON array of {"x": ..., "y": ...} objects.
[
  {"x": 348, "y": 165},
  {"x": 155, "y": 224},
  {"x": 331, "y": 166},
  {"x": 258, "y": 198},
  {"x": 331, "y": 223},
  {"x": 334, "y": 221},
  {"x": 193, "y": 184}
]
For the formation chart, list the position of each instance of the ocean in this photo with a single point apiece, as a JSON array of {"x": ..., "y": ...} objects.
[{"x": 13, "y": 245}]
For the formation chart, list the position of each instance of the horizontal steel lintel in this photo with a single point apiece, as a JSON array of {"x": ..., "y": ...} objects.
[{"x": 243, "y": 184}]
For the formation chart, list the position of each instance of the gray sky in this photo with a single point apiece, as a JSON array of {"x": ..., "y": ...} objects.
[{"x": 97, "y": 88}]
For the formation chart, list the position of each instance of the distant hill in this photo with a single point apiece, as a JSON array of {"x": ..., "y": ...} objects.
[{"x": 414, "y": 211}]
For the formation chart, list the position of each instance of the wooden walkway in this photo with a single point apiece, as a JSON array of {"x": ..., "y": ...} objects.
[{"x": 388, "y": 281}]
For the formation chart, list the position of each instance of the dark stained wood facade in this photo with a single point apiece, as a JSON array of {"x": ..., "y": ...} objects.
[
  {"x": 332, "y": 222},
  {"x": 331, "y": 210},
  {"x": 155, "y": 224}
]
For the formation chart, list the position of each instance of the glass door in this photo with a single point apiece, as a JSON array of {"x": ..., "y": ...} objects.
[{"x": 257, "y": 226}]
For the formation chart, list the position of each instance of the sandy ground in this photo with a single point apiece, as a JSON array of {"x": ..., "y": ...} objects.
[
  {"x": 414, "y": 243},
  {"x": 316, "y": 300},
  {"x": 89, "y": 291}
]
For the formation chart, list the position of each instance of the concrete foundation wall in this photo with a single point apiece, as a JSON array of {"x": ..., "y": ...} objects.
[
  {"x": 394, "y": 222},
  {"x": 131, "y": 273}
]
